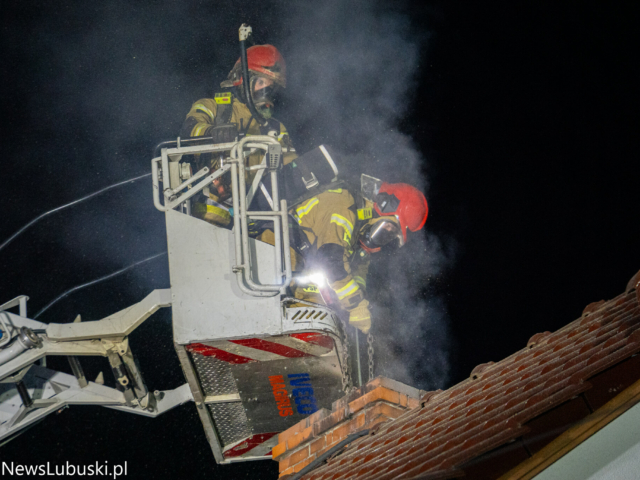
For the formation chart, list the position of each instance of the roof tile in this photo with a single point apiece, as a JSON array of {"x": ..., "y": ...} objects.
[
  {"x": 538, "y": 338},
  {"x": 634, "y": 283},
  {"x": 592, "y": 307}
]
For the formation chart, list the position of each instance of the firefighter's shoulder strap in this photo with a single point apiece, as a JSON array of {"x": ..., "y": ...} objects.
[
  {"x": 309, "y": 174},
  {"x": 224, "y": 102},
  {"x": 222, "y": 130},
  {"x": 363, "y": 213}
]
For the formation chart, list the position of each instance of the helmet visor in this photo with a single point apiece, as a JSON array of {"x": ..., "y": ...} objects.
[
  {"x": 370, "y": 186},
  {"x": 381, "y": 233}
]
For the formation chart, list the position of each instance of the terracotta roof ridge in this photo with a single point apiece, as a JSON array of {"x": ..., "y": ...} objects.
[
  {"x": 490, "y": 372},
  {"x": 548, "y": 337}
]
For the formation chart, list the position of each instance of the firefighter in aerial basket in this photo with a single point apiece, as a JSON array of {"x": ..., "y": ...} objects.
[
  {"x": 230, "y": 115},
  {"x": 338, "y": 232}
]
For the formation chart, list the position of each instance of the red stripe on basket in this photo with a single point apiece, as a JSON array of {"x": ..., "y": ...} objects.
[
  {"x": 249, "y": 444},
  {"x": 315, "y": 339},
  {"x": 271, "y": 347},
  {"x": 208, "y": 351}
]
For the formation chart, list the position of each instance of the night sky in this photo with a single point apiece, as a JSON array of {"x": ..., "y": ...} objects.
[{"x": 521, "y": 117}]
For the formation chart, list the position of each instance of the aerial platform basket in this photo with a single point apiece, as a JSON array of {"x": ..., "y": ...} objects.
[{"x": 256, "y": 360}]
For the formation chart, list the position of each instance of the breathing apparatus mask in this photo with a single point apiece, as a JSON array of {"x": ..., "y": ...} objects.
[
  {"x": 381, "y": 232},
  {"x": 385, "y": 230},
  {"x": 263, "y": 96}
]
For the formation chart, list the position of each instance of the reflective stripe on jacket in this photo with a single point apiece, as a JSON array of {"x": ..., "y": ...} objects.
[
  {"x": 329, "y": 218},
  {"x": 203, "y": 113}
]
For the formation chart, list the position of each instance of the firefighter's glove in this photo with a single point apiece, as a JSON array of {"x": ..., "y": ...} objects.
[
  {"x": 360, "y": 317},
  {"x": 211, "y": 214}
]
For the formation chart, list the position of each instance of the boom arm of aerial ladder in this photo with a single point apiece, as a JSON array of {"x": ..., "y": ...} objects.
[{"x": 43, "y": 391}]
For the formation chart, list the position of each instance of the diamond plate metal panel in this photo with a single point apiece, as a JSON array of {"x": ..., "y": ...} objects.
[
  {"x": 231, "y": 421},
  {"x": 198, "y": 395},
  {"x": 215, "y": 375}
]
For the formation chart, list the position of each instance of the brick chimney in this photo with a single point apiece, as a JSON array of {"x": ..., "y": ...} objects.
[{"x": 376, "y": 402}]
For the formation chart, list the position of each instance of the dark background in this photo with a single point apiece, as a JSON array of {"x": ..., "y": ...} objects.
[{"x": 525, "y": 117}]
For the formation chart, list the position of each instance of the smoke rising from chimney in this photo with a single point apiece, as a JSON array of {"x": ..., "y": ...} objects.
[{"x": 351, "y": 70}]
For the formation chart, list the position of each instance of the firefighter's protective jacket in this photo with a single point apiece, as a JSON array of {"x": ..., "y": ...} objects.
[
  {"x": 329, "y": 222},
  {"x": 202, "y": 121}
]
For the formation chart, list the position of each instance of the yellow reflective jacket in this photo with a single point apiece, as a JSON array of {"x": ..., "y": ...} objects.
[
  {"x": 199, "y": 122},
  {"x": 201, "y": 117},
  {"x": 329, "y": 220}
]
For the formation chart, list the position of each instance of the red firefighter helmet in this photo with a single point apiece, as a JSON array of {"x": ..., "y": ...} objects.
[
  {"x": 263, "y": 61},
  {"x": 407, "y": 203}
]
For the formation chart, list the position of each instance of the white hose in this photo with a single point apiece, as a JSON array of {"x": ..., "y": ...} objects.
[{"x": 87, "y": 197}]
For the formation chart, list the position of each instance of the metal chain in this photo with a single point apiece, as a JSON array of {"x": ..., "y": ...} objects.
[
  {"x": 370, "y": 352},
  {"x": 346, "y": 367}
]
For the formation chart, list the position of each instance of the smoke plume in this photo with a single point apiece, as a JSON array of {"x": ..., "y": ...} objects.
[{"x": 352, "y": 70}]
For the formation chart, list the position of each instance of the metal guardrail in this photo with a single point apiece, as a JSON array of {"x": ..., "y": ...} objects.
[
  {"x": 20, "y": 301},
  {"x": 173, "y": 197},
  {"x": 6, "y": 334},
  {"x": 241, "y": 214}
]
